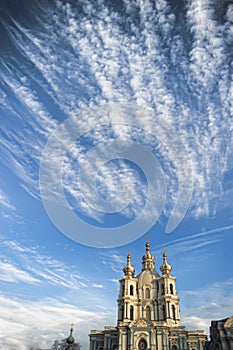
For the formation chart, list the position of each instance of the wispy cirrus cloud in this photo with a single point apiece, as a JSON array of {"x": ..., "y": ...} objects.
[
  {"x": 9, "y": 211},
  {"x": 5, "y": 201},
  {"x": 36, "y": 268},
  {"x": 114, "y": 261},
  {"x": 21, "y": 149},
  {"x": 11, "y": 273},
  {"x": 192, "y": 243},
  {"x": 147, "y": 55}
]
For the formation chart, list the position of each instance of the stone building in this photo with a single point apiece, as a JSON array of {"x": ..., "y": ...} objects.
[
  {"x": 148, "y": 313},
  {"x": 221, "y": 335}
]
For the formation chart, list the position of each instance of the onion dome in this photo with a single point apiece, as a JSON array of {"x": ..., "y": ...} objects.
[
  {"x": 70, "y": 339},
  {"x": 148, "y": 273},
  {"x": 165, "y": 268},
  {"x": 128, "y": 269},
  {"x": 148, "y": 259}
]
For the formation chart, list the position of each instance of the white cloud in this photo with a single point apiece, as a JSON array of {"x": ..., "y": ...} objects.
[
  {"x": 22, "y": 150},
  {"x": 37, "y": 268},
  {"x": 196, "y": 322},
  {"x": 139, "y": 55},
  {"x": 5, "y": 201},
  {"x": 113, "y": 261},
  {"x": 85, "y": 58},
  {"x": 11, "y": 273},
  {"x": 24, "y": 324},
  {"x": 210, "y": 302},
  {"x": 98, "y": 286},
  {"x": 192, "y": 244}
]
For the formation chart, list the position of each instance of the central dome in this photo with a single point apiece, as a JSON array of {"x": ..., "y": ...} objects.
[{"x": 147, "y": 276}]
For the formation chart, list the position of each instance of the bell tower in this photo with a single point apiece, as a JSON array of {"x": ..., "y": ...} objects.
[
  {"x": 127, "y": 295},
  {"x": 168, "y": 299}
]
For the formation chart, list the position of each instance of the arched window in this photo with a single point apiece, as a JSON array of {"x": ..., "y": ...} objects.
[
  {"x": 131, "y": 290},
  {"x": 148, "y": 313},
  {"x": 173, "y": 312},
  {"x": 157, "y": 288},
  {"x": 156, "y": 315},
  {"x": 162, "y": 288},
  {"x": 123, "y": 289},
  {"x": 164, "y": 312},
  {"x": 122, "y": 312},
  {"x": 171, "y": 288},
  {"x": 114, "y": 347},
  {"x": 147, "y": 294},
  {"x": 131, "y": 312}
]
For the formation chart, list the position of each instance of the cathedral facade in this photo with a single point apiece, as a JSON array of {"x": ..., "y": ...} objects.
[{"x": 148, "y": 313}]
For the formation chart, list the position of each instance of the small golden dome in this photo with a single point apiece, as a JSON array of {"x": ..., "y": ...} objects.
[
  {"x": 128, "y": 269},
  {"x": 165, "y": 268}
]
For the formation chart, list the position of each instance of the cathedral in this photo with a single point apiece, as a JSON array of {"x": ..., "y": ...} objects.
[{"x": 148, "y": 313}]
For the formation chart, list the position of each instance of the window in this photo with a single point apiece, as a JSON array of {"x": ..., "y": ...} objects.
[
  {"x": 131, "y": 312},
  {"x": 123, "y": 289},
  {"x": 164, "y": 312},
  {"x": 173, "y": 312},
  {"x": 147, "y": 293},
  {"x": 157, "y": 288},
  {"x": 122, "y": 312},
  {"x": 148, "y": 313},
  {"x": 156, "y": 309},
  {"x": 162, "y": 288},
  {"x": 171, "y": 289},
  {"x": 131, "y": 290}
]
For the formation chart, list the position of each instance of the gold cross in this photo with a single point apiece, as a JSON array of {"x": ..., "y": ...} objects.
[{"x": 164, "y": 249}]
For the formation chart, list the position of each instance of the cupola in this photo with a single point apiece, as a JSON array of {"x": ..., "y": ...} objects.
[
  {"x": 129, "y": 269},
  {"x": 165, "y": 268},
  {"x": 148, "y": 259}
]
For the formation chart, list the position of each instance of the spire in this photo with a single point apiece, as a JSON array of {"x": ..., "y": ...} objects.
[
  {"x": 165, "y": 268},
  {"x": 128, "y": 269},
  {"x": 148, "y": 259}
]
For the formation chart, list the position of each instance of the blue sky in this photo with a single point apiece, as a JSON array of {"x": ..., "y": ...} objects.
[{"x": 134, "y": 102}]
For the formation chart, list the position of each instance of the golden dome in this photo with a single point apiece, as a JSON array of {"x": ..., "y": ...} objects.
[
  {"x": 128, "y": 269},
  {"x": 165, "y": 268}
]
